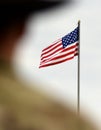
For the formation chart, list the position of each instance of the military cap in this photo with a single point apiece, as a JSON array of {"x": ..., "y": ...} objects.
[
  {"x": 35, "y": 5},
  {"x": 13, "y": 10}
]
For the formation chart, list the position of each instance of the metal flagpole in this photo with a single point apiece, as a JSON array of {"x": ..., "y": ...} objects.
[{"x": 78, "y": 73}]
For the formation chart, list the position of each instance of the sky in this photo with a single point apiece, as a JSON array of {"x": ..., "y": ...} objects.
[{"x": 60, "y": 81}]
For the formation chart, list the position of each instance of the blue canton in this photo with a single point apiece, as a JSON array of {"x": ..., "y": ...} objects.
[{"x": 70, "y": 38}]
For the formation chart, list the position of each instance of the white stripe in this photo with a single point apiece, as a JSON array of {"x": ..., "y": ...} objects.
[
  {"x": 60, "y": 53},
  {"x": 59, "y": 60},
  {"x": 50, "y": 53},
  {"x": 58, "y": 42}
]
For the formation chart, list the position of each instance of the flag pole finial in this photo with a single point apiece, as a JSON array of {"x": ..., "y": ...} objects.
[{"x": 78, "y": 21}]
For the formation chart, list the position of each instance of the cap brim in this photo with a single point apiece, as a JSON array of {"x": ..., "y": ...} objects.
[
  {"x": 28, "y": 5},
  {"x": 46, "y": 5},
  {"x": 32, "y": 4}
]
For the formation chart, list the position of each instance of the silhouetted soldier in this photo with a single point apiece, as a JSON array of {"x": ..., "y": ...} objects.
[{"x": 22, "y": 108}]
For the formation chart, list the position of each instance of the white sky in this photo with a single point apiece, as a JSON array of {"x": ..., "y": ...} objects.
[{"x": 60, "y": 81}]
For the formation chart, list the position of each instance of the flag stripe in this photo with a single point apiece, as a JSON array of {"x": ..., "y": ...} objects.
[
  {"x": 71, "y": 47},
  {"x": 55, "y": 58},
  {"x": 63, "y": 52},
  {"x": 51, "y": 45},
  {"x": 60, "y": 59},
  {"x": 51, "y": 53},
  {"x": 54, "y": 63},
  {"x": 58, "y": 44},
  {"x": 63, "y": 55}
]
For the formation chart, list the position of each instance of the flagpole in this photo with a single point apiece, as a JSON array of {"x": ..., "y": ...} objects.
[{"x": 78, "y": 73}]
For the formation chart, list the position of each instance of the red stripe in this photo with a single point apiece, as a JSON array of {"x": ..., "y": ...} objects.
[
  {"x": 63, "y": 50},
  {"x": 56, "y": 62},
  {"x": 76, "y": 54},
  {"x": 51, "y": 45},
  {"x": 43, "y": 53},
  {"x": 66, "y": 49},
  {"x": 59, "y": 57},
  {"x": 52, "y": 53}
]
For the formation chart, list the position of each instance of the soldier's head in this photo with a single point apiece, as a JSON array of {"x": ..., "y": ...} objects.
[
  {"x": 13, "y": 12},
  {"x": 13, "y": 15}
]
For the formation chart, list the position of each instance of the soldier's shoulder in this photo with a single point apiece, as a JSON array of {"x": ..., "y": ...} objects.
[{"x": 33, "y": 108}]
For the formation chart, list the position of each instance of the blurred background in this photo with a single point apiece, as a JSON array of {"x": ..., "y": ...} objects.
[{"x": 60, "y": 81}]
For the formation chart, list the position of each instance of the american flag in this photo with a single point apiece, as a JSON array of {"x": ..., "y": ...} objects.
[{"x": 64, "y": 49}]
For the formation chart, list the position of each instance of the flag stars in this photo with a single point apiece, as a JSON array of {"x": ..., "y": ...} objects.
[{"x": 70, "y": 38}]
